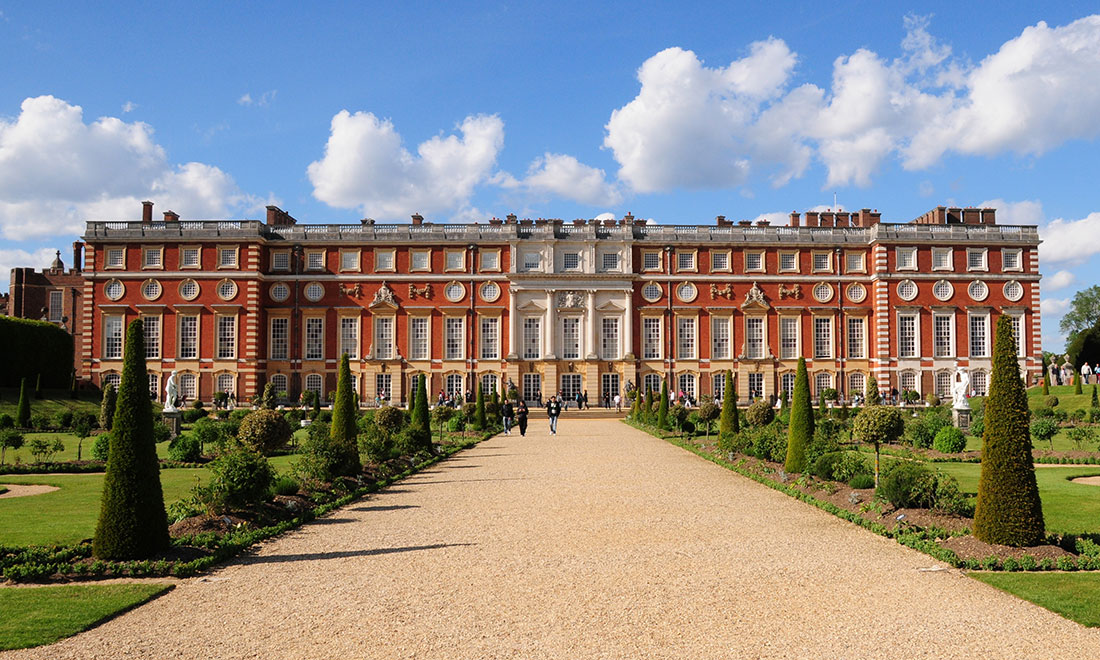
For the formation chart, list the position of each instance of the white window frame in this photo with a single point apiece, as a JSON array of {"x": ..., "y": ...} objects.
[
  {"x": 687, "y": 341},
  {"x": 793, "y": 256},
  {"x": 492, "y": 264},
  {"x": 417, "y": 254},
  {"x": 818, "y": 255},
  {"x": 754, "y": 255},
  {"x": 157, "y": 260},
  {"x": 908, "y": 255},
  {"x": 857, "y": 339},
  {"x": 860, "y": 267},
  {"x": 489, "y": 338},
  {"x": 908, "y": 345},
  {"x": 652, "y": 346},
  {"x": 383, "y": 330},
  {"x": 943, "y": 345},
  {"x": 226, "y": 263},
  {"x": 385, "y": 260},
  {"x": 610, "y": 341},
  {"x": 983, "y": 256},
  {"x": 350, "y": 261},
  {"x": 532, "y": 261},
  {"x": 56, "y": 306},
  {"x": 610, "y": 262},
  {"x": 313, "y": 338},
  {"x": 756, "y": 331},
  {"x": 721, "y": 337},
  {"x": 1019, "y": 256},
  {"x": 573, "y": 256},
  {"x": 315, "y": 260},
  {"x": 280, "y": 260},
  {"x": 420, "y": 344},
  {"x": 454, "y": 260},
  {"x": 151, "y": 326},
  {"x": 823, "y": 337},
  {"x": 717, "y": 256},
  {"x": 114, "y": 336},
  {"x": 197, "y": 249},
  {"x": 349, "y": 336},
  {"x": 454, "y": 338},
  {"x": 686, "y": 261},
  {"x": 983, "y": 320},
  {"x": 571, "y": 344},
  {"x": 114, "y": 257},
  {"x": 532, "y": 337},
  {"x": 790, "y": 339},
  {"x": 655, "y": 256},
  {"x": 225, "y": 337},
  {"x": 275, "y": 343},
  {"x": 181, "y": 322},
  {"x": 945, "y": 256}
]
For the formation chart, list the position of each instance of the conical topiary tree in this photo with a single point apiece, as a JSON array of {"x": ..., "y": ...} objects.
[
  {"x": 270, "y": 397},
  {"x": 1076, "y": 382},
  {"x": 421, "y": 417},
  {"x": 495, "y": 403},
  {"x": 1008, "y": 511},
  {"x": 800, "y": 431},
  {"x": 132, "y": 522},
  {"x": 344, "y": 431},
  {"x": 728, "y": 423},
  {"x": 872, "y": 395},
  {"x": 38, "y": 387},
  {"x": 479, "y": 410},
  {"x": 636, "y": 408},
  {"x": 662, "y": 406},
  {"x": 1095, "y": 401},
  {"x": 23, "y": 412},
  {"x": 647, "y": 405},
  {"x": 107, "y": 408}
]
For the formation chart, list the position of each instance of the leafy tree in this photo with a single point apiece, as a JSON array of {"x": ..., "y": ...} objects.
[
  {"x": 707, "y": 413},
  {"x": 728, "y": 423},
  {"x": 441, "y": 415},
  {"x": 877, "y": 425},
  {"x": 23, "y": 412},
  {"x": 479, "y": 411},
  {"x": 1008, "y": 511},
  {"x": 1083, "y": 314},
  {"x": 132, "y": 522},
  {"x": 107, "y": 408},
  {"x": 872, "y": 395},
  {"x": 9, "y": 439},
  {"x": 264, "y": 431},
  {"x": 800, "y": 432},
  {"x": 209, "y": 431},
  {"x": 82, "y": 428},
  {"x": 344, "y": 431},
  {"x": 270, "y": 398},
  {"x": 1044, "y": 429},
  {"x": 662, "y": 407}
]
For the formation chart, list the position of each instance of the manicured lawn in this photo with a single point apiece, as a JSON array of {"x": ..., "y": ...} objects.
[
  {"x": 1067, "y": 507},
  {"x": 1075, "y": 596},
  {"x": 41, "y": 615},
  {"x": 1067, "y": 400},
  {"x": 1061, "y": 442},
  {"x": 52, "y": 403},
  {"x": 24, "y": 454}
]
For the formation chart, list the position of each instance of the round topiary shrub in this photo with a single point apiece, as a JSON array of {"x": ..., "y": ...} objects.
[
  {"x": 241, "y": 478},
  {"x": 909, "y": 485},
  {"x": 6, "y": 421},
  {"x": 1051, "y": 401},
  {"x": 286, "y": 485},
  {"x": 185, "y": 449},
  {"x": 264, "y": 431},
  {"x": 862, "y": 481},
  {"x": 760, "y": 414},
  {"x": 949, "y": 440}
]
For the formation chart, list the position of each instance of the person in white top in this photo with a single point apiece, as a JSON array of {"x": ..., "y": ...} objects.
[
  {"x": 1086, "y": 372},
  {"x": 618, "y": 403}
]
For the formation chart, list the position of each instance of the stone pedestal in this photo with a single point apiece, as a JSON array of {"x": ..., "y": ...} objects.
[
  {"x": 174, "y": 421},
  {"x": 961, "y": 418}
]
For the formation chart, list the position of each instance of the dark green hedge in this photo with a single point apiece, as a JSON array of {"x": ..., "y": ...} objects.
[{"x": 29, "y": 348}]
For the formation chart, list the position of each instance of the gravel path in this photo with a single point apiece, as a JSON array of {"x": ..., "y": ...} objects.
[
  {"x": 601, "y": 542},
  {"x": 25, "y": 490}
]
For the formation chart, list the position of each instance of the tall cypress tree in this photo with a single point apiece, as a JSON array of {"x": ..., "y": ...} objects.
[
  {"x": 800, "y": 431},
  {"x": 479, "y": 410},
  {"x": 420, "y": 417},
  {"x": 1076, "y": 382},
  {"x": 727, "y": 423},
  {"x": 662, "y": 406},
  {"x": 23, "y": 412},
  {"x": 344, "y": 431},
  {"x": 107, "y": 408},
  {"x": 647, "y": 413},
  {"x": 132, "y": 522},
  {"x": 1095, "y": 401},
  {"x": 873, "y": 397},
  {"x": 1008, "y": 511}
]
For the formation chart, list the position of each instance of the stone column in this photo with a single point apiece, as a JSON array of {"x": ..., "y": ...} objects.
[
  {"x": 548, "y": 331},
  {"x": 513, "y": 325},
  {"x": 628, "y": 328},
  {"x": 593, "y": 336}
]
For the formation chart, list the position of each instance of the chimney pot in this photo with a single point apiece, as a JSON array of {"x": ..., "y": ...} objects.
[
  {"x": 171, "y": 216},
  {"x": 146, "y": 213}
]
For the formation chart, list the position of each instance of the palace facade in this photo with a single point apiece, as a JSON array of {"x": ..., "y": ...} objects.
[{"x": 584, "y": 306}]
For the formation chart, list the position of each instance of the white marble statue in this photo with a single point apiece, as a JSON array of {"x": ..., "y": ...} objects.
[
  {"x": 171, "y": 392},
  {"x": 959, "y": 389}
]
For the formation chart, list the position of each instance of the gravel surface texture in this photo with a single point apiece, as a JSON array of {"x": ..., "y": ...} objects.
[{"x": 600, "y": 542}]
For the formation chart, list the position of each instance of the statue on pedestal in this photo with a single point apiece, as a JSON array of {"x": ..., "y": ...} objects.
[
  {"x": 959, "y": 389},
  {"x": 171, "y": 394}
]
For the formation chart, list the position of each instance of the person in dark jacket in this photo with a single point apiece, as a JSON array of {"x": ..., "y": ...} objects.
[
  {"x": 553, "y": 409},
  {"x": 521, "y": 416},
  {"x": 507, "y": 412}
]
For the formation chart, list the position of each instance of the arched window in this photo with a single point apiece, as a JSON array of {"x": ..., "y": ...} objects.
[
  {"x": 651, "y": 381},
  {"x": 488, "y": 384},
  {"x": 944, "y": 380},
  {"x": 823, "y": 380},
  {"x": 226, "y": 383},
  {"x": 908, "y": 381},
  {"x": 786, "y": 384},
  {"x": 453, "y": 385},
  {"x": 686, "y": 384},
  {"x": 279, "y": 384},
  {"x": 857, "y": 383},
  {"x": 315, "y": 383},
  {"x": 110, "y": 379},
  {"x": 978, "y": 382},
  {"x": 189, "y": 386}
]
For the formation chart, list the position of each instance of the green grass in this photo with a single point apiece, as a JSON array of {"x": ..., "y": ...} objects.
[
  {"x": 1067, "y": 507},
  {"x": 1075, "y": 596},
  {"x": 42, "y": 615},
  {"x": 1061, "y": 443},
  {"x": 53, "y": 402},
  {"x": 1067, "y": 400}
]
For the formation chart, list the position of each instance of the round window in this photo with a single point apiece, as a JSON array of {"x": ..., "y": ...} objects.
[
  {"x": 455, "y": 291},
  {"x": 652, "y": 292},
  {"x": 114, "y": 290},
  {"x": 151, "y": 290},
  {"x": 978, "y": 290},
  {"x": 490, "y": 291},
  {"x": 686, "y": 292},
  {"x": 1013, "y": 290},
  {"x": 189, "y": 289},
  {"x": 279, "y": 292},
  {"x": 907, "y": 290},
  {"x": 823, "y": 292},
  {"x": 943, "y": 290},
  {"x": 227, "y": 289},
  {"x": 857, "y": 293},
  {"x": 314, "y": 291}
]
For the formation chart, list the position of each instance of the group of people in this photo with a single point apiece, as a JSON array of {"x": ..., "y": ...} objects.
[
  {"x": 1062, "y": 374},
  {"x": 516, "y": 414}
]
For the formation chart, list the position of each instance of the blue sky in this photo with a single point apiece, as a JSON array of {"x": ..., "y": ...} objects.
[{"x": 672, "y": 111}]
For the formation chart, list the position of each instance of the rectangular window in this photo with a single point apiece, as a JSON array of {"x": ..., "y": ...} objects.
[
  {"x": 907, "y": 258},
  {"x": 685, "y": 261},
  {"x": 455, "y": 338},
  {"x": 754, "y": 338},
  {"x": 315, "y": 260},
  {"x": 1010, "y": 259},
  {"x": 349, "y": 260},
  {"x": 823, "y": 337},
  {"x": 227, "y": 337},
  {"x": 112, "y": 337},
  {"x": 280, "y": 343},
  {"x": 227, "y": 257},
  {"x": 571, "y": 261},
  {"x": 383, "y": 335},
  {"x": 610, "y": 261},
  {"x": 154, "y": 386},
  {"x": 941, "y": 258},
  {"x": 979, "y": 335},
  {"x": 383, "y": 386},
  {"x": 821, "y": 261},
  {"x": 651, "y": 338},
  {"x": 456, "y": 260},
  {"x": 786, "y": 383},
  {"x": 490, "y": 260},
  {"x": 719, "y": 260},
  {"x": 531, "y": 260},
  {"x": 651, "y": 383},
  {"x": 788, "y": 337},
  {"x": 857, "y": 333},
  {"x": 152, "y": 337},
  {"x": 756, "y": 385},
  {"x": 907, "y": 335},
  {"x": 788, "y": 262},
  {"x": 854, "y": 262},
  {"x": 532, "y": 338},
  {"x": 490, "y": 338},
  {"x": 651, "y": 260},
  {"x": 57, "y": 306},
  {"x": 754, "y": 261},
  {"x": 189, "y": 338},
  {"x": 685, "y": 338},
  {"x": 609, "y": 339},
  {"x": 383, "y": 260},
  {"x": 719, "y": 388},
  {"x": 532, "y": 387},
  {"x": 975, "y": 259},
  {"x": 315, "y": 339},
  {"x": 720, "y": 338},
  {"x": 570, "y": 338},
  {"x": 152, "y": 257},
  {"x": 941, "y": 336},
  {"x": 422, "y": 260},
  {"x": 418, "y": 338},
  {"x": 1017, "y": 332},
  {"x": 349, "y": 337},
  {"x": 280, "y": 261},
  {"x": 116, "y": 257}
]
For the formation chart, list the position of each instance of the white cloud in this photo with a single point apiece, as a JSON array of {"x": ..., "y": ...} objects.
[
  {"x": 365, "y": 166},
  {"x": 1059, "y": 280},
  {"x": 775, "y": 218},
  {"x": 1053, "y": 307},
  {"x": 129, "y": 106},
  {"x": 38, "y": 259},
  {"x": 263, "y": 100},
  {"x": 1066, "y": 240},
  {"x": 564, "y": 176},
  {"x": 56, "y": 172},
  {"x": 605, "y": 216},
  {"x": 1027, "y": 212}
]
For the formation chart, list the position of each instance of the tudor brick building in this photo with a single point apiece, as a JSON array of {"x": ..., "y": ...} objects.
[{"x": 551, "y": 305}]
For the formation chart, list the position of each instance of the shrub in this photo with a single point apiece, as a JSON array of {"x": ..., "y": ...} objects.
[
  {"x": 760, "y": 414},
  {"x": 842, "y": 466},
  {"x": 208, "y": 431},
  {"x": 871, "y": 395},
  {"x": 949, "y": 440},
  {"x": 921, "y": 430},
  {"x": 932, "y": 399},
  {"x": 376, "y": 445},
  {"x": 323, "y": 458},
  {"x": 41, "y": 422},
  {"x": 662, "y": 407},
  {"x": 6, "y": 421},
  {"x": 728, "y": 422},
  {"x": 456, "y": 424},
  {"x": 269, "y": 400},
  {"x": 1094, "y": 414},
  {"x": 440, "y": 415},
  {"x": 185, "y": 448},
  {"x": 826, "y": 439},
  {"x": 239, "y": 415},
  {"x": 264, "y": 431},
  {"x": 9, "y": 439},
  {"x": 101, "y": 447},
  {"x": 1051, "y": 401},
  {"x": 286, "y": 485},
  {"x": 801, "y": 430},
  {"x": 107, "y": 408},
  {"x": 390, "y": 419},
  {"x": 63, "y": 419},
  {"x": 1043, "y": 413},
  {"x": 707, "y": 413},
  {"x": 678, "y": 415},
  {"x": 192, "y": 415},
  {"x": 241, "y": 478},
  {"x": 909, "y": 485},
  {"x": 1077, "y": 415},
  {"x": 878, "y": 425},
  {"x": 862, "y": 481},
  {"x": 23, "y": 411},
  {"x": 768, "y": 443},
  {"x": 412, "y": 440}
]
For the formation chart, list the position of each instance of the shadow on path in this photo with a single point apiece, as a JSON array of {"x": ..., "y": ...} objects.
[
  {"x": 385, "y": 507},
  {"x": 342, "y": 554}
]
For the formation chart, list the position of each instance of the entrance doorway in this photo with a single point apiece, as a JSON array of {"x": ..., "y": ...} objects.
[{"x": 609, "y": 386}]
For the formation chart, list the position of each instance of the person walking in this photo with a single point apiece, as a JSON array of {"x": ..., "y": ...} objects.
[
  {"x": 1086, "y": 372},
  {"x": 580, "y": 401},
  {"x": 618, "y": 403},
  {"x": 521, "y": 417},
  {"x": 585, "y": 399},
  {"x": 507, "y": 412},
  {"x": 553, "y": 409}
]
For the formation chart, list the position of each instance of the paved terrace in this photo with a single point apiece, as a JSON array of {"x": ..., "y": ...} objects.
[{"x": 601, "y": 542}]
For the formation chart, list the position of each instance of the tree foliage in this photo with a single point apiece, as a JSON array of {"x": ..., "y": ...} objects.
[
  {"x": 1083, "y": 314},
  {"x": 107, "y": 408},
  {"x": 264, "y": 431},
  {"x": 344, "y": 431},
  {"x": 23, "y": 412},
  {"x": 872, "y": 396},
  {"x": 270, "y": 397},
  {"x": 728, "y": 422},
  {"x": 479, "y": 411},
  {"x": 132, "y": 521},
  {"x": 29, "y": 348},
  {"x": 1008, "y": 510},
  {"x": 662, "y": 407},
  {"x": 800, "y": 432},
  {"x": 878, "y": 425}
]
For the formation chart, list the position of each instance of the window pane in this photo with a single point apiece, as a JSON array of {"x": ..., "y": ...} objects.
[
  {"x": 152, "y": 337},
  {"x": 856, "y": 331},
  {"x": 279, "y": 338},
  {"x": 189, "y": 338},
  {"x": 418, "y": 335},
  {"x": 490, "y": 339},
  {"x": 823, "y": 337},
  {"x": 651, "y": 260},
  {"x": 907, "y": 336},
  {"x": 609, "y": 346},
  {"x": 754, "y": 338},
  {"x": 315, "y": 339},
  {"x": 720, "y": 338},
  {"x": 651, "y": 333},
  {"x": 570, "y": 338},
  {"x": 532, "y": 339},
  {"x": 685, "y": 338},
  {"x": 227, "y": 337},
  {"x": 383, "y": 335},
  {"x": 349, "y": 337},
  {"x": 788, "y": 338},
  {"x": 455, "y": 339},
  {"x": 112, "y": 337}
]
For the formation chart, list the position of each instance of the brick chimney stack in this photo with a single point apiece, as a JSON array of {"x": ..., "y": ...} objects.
[
  {"x": 417, "y": 219},
  {"x": 796, "y": 219},
  {"x": 78, "y": 259},
  {"x": 276, "y": 217},
  {"x": 171, "y": 216},
  {"x": 146, "y": 213}
]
